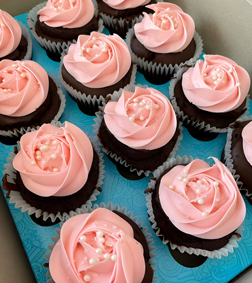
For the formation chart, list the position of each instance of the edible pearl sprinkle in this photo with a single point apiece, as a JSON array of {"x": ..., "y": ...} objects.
[
  {"x": 148, "y": 107},
  {"x": 92, "y": 261},
  {"x": 19, "y": 69},
  {"x": 198, "y": 191},
  {"x": 114, "y": 257},
  {"x": 200, "y": 201},
  {"x": 185, "y": 171},
  {"x": 216, "y": 184},
  {"x": 142, "y": 103},
  {"x": 105, "y": 48},
  {"x": 33, "y": 163},
  {"x": 136, "y": 104},
  {"x": 44, "y": 147},
  {"x": 38, "y": 157},
  {"x": 55, "y": 169},
  {"x": 83, "y": 238},
  {"x": 102, "y": 240},
  {"x": 87, "y": 278},
  {"x": 171, "y": 187},
  {"x": 185, "y": 180},
  {"x": 238, "y": 84},
  {"x": 180, "y": 178},
  {"x": 55, "y": 142},
  {"x": 54, "y": 156},
  {"x": 99, "y": 233},
  {"x": 141, "y": 118},
  {"x": 199, "y": 182},
  {"x": 14, "y": 65},
  {"x": 88, "y": 50},
  {"x": 22, "y": 75},
  {"x": 2, "y": 25},
  {"x": 98, "y": 251},
  {"x": 132, "y": 118},
  {"x": 106, "y": 256},
  {"x": 80, "y": 54},
  {"x": 135, "y": 99},
  {"x": 204, "y": 214},
  {"x": 38, "y": 152}
]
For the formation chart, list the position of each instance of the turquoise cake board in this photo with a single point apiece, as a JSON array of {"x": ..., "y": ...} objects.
[{"x": 128, "y": 193}]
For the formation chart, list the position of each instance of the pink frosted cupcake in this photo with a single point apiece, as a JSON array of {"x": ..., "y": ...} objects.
[
  {"x": 94, "y": 67},
  {"x": 15, "y": 40}
]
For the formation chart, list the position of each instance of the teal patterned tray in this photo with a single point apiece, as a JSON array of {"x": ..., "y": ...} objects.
[{"x": 117, "y": 189}]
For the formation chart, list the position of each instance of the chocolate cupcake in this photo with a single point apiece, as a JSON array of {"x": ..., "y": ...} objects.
[
  {"x": 29, "y": 98},
  {"x": 195, "y": 207},
  {"x": 164, "y": 41},
  {"x": 57, "y": 24},
  {"x": 211, "y": 95},
  {"x": 15, "y": 39},
  {"x": 109, "y": 246},
  {"x": 119, "y": 17},
  {"x": 139, "y": 129},
  {"x": 95, "y": 67},
  {"x": 56, "y": 170}
]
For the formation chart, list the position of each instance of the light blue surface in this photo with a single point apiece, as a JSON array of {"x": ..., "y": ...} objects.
[{"x": 117, "y": 189}]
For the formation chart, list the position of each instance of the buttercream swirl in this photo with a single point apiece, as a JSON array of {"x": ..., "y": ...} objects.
[
  {"x": 202, "y": 201},
  {"x": 23, "y": 87},
  {"x": 98, "y": 60},
  {"x": 168, "y": 30},
  {"x": 97, "y": 247},
  {"x": 125, "y": 4},
  {"x": 67, "y": 13},
  {"x": 144, "y": 119},
  {"x": 10, "y": 34},
  {"x": 216, "y": 84},
  {"x": 247, "y": 142},
  {"x": 54, "y": 161}
]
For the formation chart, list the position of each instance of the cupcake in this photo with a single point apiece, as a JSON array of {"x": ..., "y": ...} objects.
[
  {"x": 237, "y": 154},
  {"x": 196, "y": 207},
  {"x": 119, "y": 16},
  {"x": 163, "y": 41},
  {"x": 15, "y": 40},
  {"x": 57, "y": 24},
  {"x": 211, "y": 95},
  {"x": 94, "y": 67},
  {"x": 29, "y": 98},
  {"x": 56, "y": 170},
  {"x": 101, "y": 245},
  {"x": 139, "y": 129}
]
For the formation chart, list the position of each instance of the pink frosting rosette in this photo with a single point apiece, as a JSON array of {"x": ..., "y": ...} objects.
[
  {"x": 125, "y": 4},
  {"x": 23, "y": 87},
  {"x": 10, "y": 34},
  {"x": 98, "y": 60},
  {"x": 67, "y": 14},
  {"x": 202, "y": 201},
  {"x": 216, "y": 85},
  {"x": 168, "y": 30},
  {"x": 54, "y": 161},
  {"x": 247, "y": 142},
  {"x": 97, "y": 247},
  {"x": 144, "y": 119}
]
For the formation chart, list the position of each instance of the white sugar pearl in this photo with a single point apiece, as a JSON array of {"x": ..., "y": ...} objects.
[
  {"x": 141, "y": 118},
  {"x": 171, "y": 187},
  {"x": 5, "y": 90},
  {"x": 81, "y": 54},
  {"x": 148, "y": 107},
  {"x": 14, "y": 65},
  {"x": 83, "y": 238},
  {"x": 88, "y": 50},
  {"x": 136, "y": 104},
  {"x": 22, "y": 75},
  {"x": 106, "y": 256},
  {"x": 135, "y": 99},
  {"x": 204, "y": 214},
  {"x": 87, "y": 278},
  {"x": 238, "y": 84},
  {"x": 141, "y": 103},
  {"x": 55, "y": 169},
  {"x": 92, "y": 261},
  {"x": 132, "y": 118},
  {"x": 185, "y": 180},
  {"x": 198, "y": 191},
  {"x": 216, "y": 184},
  {"x": 105, "y": 48},
  {"x": 102, "y": 240},
  {"x": 180, "y": 178},
  {"x": 199, "y": 182},
  {"x": 55, "y": 142},
  {"x": 2, "y": 25},
  {"x": 185, "y": 171},
  {"x": 33, "y": 162},
  {"x": 156, "y": 106},
  {"x": 100, "y": 233},
  {"x": 114, "y": 257},
  {"x": 98, "y": 251},
  {"x": 38, "y": 152},
  {"x": 54, "y": 156},
  {"x": 38, "y": 157},
  {"x": 44, "y": 147},
  {"x": 19, "y": 69},
  {"x": 200, "y": 201}
]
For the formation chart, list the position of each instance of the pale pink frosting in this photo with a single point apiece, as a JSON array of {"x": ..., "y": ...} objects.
[
  {"x": 101, "y": 235},
  {"x": 202, "y": 201},
  {"x": 10, "y": 34},
  {"x": 54, "y": 161},
  {"x": 98, "y": 60},
  {"x": 23, "y": 87},
  {"x": 125, "y": 4},
  {"x": 144, "y": 119},
  {"x": 67, "y": 13},
  {"x": 216, "y": 85},
  {"x": 168, "y": 30},
  {"x": 247, "y": 142}
]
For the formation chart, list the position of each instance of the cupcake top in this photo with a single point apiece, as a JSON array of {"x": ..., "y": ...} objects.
[
  {"x": 202, "y": 201},
  {"x": 168, "y": 30},
  {"x": 54, "y": 161},
  {"x": 216, "y": 84},
  {"x": 98, "y": 60},
  {"x": 97, "y": 247},
  {"x": 144, "y": 119},
  {"x": 247, "y": 142},
  {"x": 23, "y": 87},
  {"x": 10, "y": 34},
  {"x": 125, "y": 4},
  {"x": 67, "y": 13}
]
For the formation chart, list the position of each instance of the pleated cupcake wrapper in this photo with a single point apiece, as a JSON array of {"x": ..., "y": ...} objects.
[
  {"x": 21, "y": 131},
  {"x": 158, "y": 69},
  {"x": 16, "y": 198},
  {"x": 195, "y": 123},
  {"x": 48, "y": 44},
  {"x": 87, "y": 98},
  {"x": 228, "y": 248},
  {"x": 229, "y": 160},
  {"x": 123, "y": 210},
  {"x": 26, "y": 34},
  {"x": 98, "y": 119}
]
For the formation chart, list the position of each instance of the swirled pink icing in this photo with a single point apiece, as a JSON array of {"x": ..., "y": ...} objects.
[
  {"x": 247, "y": 142},
  {"x": 97, "y": 247},
  {"x": 23, "y": 87},
  {"x": 125, "y": 4},
  {"x": 168, "y": 30},
  {"x": 144, "y": 119},
  {"x": 216, "y": 84},
  {"x": 67, "y": 13},
  {"x": 10, "y": 34},
  {"x": 98, "y": 60},
  {"x": 202, "y": 201},
  {"x": 54, "y": 161}
]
